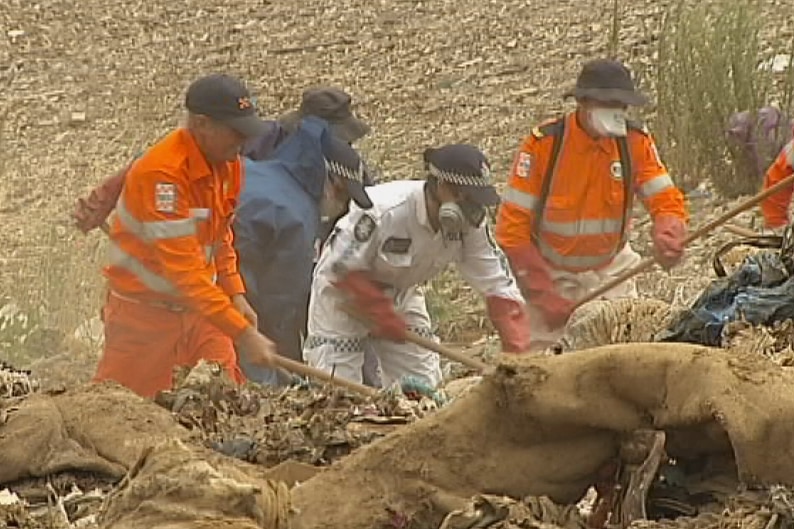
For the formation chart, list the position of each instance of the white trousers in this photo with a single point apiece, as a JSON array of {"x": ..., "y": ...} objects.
[
  {"x": 575, "y": 286},
  {"x": 342, "y": 352}
]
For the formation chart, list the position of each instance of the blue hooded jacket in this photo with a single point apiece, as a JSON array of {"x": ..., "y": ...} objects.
[{"x": 276, "y": 225}]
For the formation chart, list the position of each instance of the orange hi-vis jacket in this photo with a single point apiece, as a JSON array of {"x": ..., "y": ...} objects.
[
  {"x": 584, "y": 220},
  {"x": 775, "y": 207},
  {"x": 171, "y": 238}
]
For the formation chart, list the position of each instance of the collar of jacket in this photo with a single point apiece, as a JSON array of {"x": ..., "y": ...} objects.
[
  {"x": 581, "y": 141},
  {"x": 197, "y": 164},
  {"x": 420, "y": 206}
]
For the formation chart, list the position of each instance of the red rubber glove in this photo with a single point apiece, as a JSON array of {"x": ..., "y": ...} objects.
[
  {"x": 511, "y": 322},
  {"x": 534, "y": 279},
  {"x": 372, "y": 302},
  {"x": 89, "y": 213},
  {"x": 668, "y": 240}
]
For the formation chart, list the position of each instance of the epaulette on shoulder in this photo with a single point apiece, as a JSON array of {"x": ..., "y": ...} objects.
[
  {"x": 550, "y": 127},
  {"x": 638, "y": 126}
]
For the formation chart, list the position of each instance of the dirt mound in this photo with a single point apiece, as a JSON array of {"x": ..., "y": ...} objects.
[{"x": 546, "y": 425}]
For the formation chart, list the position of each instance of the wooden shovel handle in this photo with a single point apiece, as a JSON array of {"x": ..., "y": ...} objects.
[
  {"x": 740, "y": 231},
  {"x": 424, "y": 342},
  {"x": 307, "y": 371},
  {"x": 700, "y": 232}
]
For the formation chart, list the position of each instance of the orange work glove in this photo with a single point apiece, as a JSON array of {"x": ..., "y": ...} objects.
[{"x": 89, "y": 213}]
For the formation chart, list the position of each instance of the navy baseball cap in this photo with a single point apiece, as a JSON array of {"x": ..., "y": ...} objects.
[{"x": 225, "y": 99}]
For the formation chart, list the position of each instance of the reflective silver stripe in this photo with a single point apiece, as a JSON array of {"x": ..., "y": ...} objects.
[
  {"x": 200, "y": 213},
  {"x": 656, "y": 185},
  {"x": 155, "y": 230},
  {"x": 574, "y": 261},
  {"x": 788, "y": 152},
  {"x": 583, "y": 227},
  {"x": 122, "y": 259},
  {"x": 520, "y": 198}
]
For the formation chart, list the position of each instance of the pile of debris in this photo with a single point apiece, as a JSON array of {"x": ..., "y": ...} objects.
[
  {"x": 772, "y": 508},
  {"x": 268, "y": 425}
]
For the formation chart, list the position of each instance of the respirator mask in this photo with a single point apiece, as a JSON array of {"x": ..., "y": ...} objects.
[
  {"x": 608, "y": 122},
  {"x": 457, "y": 218}
]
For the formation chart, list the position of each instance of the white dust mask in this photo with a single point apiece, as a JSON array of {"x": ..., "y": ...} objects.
[{"x": 609, "y": 121}]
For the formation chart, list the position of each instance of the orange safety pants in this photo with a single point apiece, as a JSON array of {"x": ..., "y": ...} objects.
[{"x": 143, "y": 344}]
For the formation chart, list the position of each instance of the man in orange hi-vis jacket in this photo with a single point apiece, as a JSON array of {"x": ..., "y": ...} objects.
[
  {"x": 174, "y": 292},
  {"x": 775, "y": 207},
  {"x": 566, "y": 213}
]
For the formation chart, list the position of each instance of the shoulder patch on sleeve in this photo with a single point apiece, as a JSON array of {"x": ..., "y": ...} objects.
[
  {"x": 523, "y": 164},
  {"x": 165, "y": 197},
  {"x": 364, "y": 228}
]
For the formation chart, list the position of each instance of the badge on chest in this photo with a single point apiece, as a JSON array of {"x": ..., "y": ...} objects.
[
  {"x": 165, "y": 197},
  {"x": 396, "y": 245}
]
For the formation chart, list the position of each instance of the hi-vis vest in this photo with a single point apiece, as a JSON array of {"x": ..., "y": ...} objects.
[{"x": 556, "y": 130}]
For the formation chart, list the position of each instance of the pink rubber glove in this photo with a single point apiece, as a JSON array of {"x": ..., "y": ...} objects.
[
  {"x": 668, "y": 240},
  {"x": 534, "y": 279},
  {"x": 371, "y": 300},
  {"x": 511, "y": 322}
]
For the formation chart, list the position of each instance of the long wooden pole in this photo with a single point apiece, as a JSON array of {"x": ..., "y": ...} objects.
[
  {"x": 700, "y": 232},
  {"x": 426, "y": 343}
]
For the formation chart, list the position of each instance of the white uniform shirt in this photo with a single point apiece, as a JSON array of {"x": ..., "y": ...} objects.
[{"x": 395, "y": 243}]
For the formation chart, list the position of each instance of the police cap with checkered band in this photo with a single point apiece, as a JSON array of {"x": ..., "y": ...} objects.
[
  {"x": 225, "y": 99},
  {"x": 465, "y": 167},
  {"x": 344, "y": 164}
]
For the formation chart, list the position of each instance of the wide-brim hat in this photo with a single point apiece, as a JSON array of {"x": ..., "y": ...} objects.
[{"x": 607, "y": 81}]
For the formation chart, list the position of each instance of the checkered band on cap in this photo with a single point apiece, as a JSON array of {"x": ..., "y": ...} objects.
[
  {"x": 343, "y": 171},
  {"x": 480, "y": 180}
]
